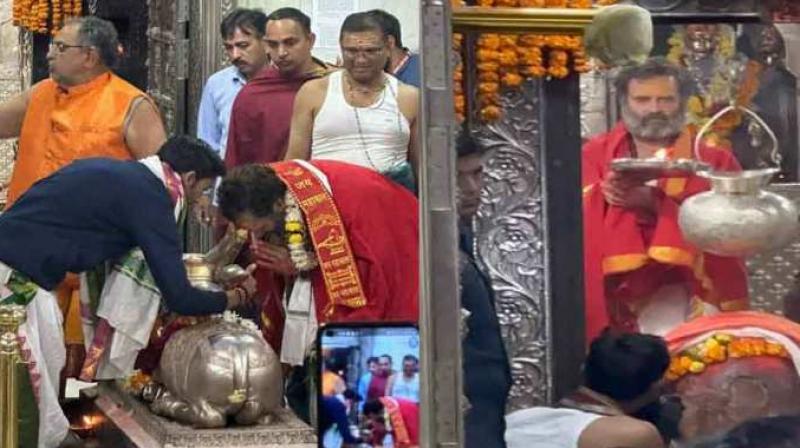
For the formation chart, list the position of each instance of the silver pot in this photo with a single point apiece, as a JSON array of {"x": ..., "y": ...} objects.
[{"x": 738, "y": 218}]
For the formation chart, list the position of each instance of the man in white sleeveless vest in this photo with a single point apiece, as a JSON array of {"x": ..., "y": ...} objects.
[
  {"x": 359, "y": 115},
  {"x": 619, "y": 405}
]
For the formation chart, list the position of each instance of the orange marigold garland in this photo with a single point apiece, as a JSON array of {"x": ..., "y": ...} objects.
[
  {"x": 458, "y": 80},
  {"x": 505, "y": 61},
  {"x": 488, "y": 58},
  {"x": 719, "y": 348},
  {"x": 44, "y": 16}
]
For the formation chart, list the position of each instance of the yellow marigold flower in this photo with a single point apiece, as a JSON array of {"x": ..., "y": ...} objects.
[
  {"x": 293, "y": 226},
  {"x": 774, "y": 349},
  {"x": 686, "y": 362},
  {"x": 722, "y": 337},
  {"x": 295, "y": 238},
  {"x": 717, "y": 353},
  {"x": 697, "y": 367}
]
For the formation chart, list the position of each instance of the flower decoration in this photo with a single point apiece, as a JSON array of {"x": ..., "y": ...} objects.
[
  {"x": 297, "y": 236},
  {"x": 719, "y": 90},
  {"x": 44, "y": 16},
  {"x": 719, "y": 348},
  {"x": 136, "y": 382},
  {"x": 458, "y": 80},
  {"x": 504, "y": 61}
]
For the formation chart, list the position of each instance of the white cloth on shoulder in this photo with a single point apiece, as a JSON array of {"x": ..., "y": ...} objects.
[
  {"x": 130, "y": 305},
  {"x": 129, "y": 302},
  {"x": 300, "y": 328},
  {"x": 544, "y": 427}
]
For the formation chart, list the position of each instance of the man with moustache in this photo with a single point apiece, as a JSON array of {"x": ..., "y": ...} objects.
[
  {"x": 259, "y": 131},
  {"x": 360, "y": 115},
  {"x": 640, "y": 273},
  {"x": 242, "y": 33},
  {"x": 82, "y": 110},
  {"x": 262, "y": 113},
  {"x": 403, "y": 64}
]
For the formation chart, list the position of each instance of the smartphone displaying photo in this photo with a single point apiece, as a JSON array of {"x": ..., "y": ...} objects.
[{"x": 368, "y": 386}]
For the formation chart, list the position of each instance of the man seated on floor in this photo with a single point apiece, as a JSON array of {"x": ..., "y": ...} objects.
[
  {"x": 619, "y": 405},
  {"x": 89, "y": 212}
]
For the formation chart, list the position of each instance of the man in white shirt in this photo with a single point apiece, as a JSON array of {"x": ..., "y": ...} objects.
[
  {"x": 619, "y": 405},
  {"x": 406, "y": 384}
]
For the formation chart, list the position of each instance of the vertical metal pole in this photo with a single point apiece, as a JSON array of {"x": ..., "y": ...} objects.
[
  {"x": 11, "y": 317},
  {"x": 439, "y": 298}
]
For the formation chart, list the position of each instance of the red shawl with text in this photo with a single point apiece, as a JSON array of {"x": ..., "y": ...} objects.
[{"x": 381, "y": 223}]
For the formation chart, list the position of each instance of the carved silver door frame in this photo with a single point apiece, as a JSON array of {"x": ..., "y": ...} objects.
[
  {"x": 168, "y": 60},
  {"x": 206, "y": 53}
]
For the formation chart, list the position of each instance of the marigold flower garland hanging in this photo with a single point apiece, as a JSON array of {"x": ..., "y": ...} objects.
[
  {"x": 296, "y": 233},
  {"x": 719, "y": 348},
  {"x": 44, "y": 16},
  {"x": 720, "y": 90},
  {"x": 504, "y": 61}
]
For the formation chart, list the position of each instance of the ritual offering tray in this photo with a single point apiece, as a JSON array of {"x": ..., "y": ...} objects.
[{"x": 655, "y": 168}]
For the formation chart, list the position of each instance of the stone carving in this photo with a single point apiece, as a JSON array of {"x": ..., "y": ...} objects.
[
  {"x": 15, "y": 51},
  {"x": 162, "y": 82},
  {"x": 511, "y": 241},
  {"x": 214, "y": 370},
  {"x": 133, "y": 418},
  {"x": 771, "y": 275},
  {"x": 595, "y": 116}
]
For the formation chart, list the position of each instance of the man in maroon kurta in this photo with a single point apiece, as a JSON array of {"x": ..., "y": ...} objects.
[{"x": 262, "y": 112}]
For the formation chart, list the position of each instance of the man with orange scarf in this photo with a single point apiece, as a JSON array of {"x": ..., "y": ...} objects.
[
  {"x": 395, "y": 416},
  {"x": 341, "y": 241},
  {"x": 641, "y": 275},
  {"x": 83, "y": 110}
]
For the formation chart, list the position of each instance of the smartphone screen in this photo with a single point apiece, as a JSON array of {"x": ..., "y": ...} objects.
[{"x": 368, "y": 386}]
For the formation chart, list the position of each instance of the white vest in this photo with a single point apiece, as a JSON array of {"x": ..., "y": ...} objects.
[
  {"x": 542, "y": 427},
  {"x": 374, "y": 137}
]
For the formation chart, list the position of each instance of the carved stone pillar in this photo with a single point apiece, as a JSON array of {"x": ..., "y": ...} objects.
[
  {"x": 15, "y": 70},
  {"x": 529, "y": 237},
  {"x": 206, "y": 52}
]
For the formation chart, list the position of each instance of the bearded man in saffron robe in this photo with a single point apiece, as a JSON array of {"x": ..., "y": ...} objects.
[{"x": 641, "y": 275}]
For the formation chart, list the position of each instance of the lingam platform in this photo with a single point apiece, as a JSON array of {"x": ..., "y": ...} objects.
[{"x": 129, "y": 423}]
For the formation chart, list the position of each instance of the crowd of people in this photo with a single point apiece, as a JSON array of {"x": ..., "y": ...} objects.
[
  {"x": 319, "y": 164},
  {"x": 99, "y": 195},
  {"x": 379, "y": 408}
]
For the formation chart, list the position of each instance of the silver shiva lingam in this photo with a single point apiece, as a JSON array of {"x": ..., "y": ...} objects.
[
  {"x": 738, "y": 217},
  {"x": 220, "y": 369}
]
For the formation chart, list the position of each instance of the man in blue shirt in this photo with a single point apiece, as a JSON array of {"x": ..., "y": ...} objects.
[
  {"x": 95, "y": 210},
  {"x": 89, "y": 212},
  {"x": 243, "y": 35},
  {"x": 403, "y": 64}
]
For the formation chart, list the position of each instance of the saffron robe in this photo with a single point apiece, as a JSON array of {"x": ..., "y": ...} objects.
[
  {"x": 627, "y": 258},
  {"x": 381, "y": 223},
  {"x": 61, "y": 126}
]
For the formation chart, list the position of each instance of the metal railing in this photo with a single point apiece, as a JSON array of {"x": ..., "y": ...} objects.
[{"x": 11, "y": 317}]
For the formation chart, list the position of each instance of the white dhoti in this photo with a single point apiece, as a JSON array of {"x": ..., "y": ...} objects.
[{"x": 42, "y": 347}]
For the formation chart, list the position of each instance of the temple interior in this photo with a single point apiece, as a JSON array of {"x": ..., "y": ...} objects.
[{"x": 480, "y": 223}]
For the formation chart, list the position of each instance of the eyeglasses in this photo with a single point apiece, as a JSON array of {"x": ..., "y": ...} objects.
[
  {"x": 62, "y": 47},
  {"x": 369, "y": 52}
]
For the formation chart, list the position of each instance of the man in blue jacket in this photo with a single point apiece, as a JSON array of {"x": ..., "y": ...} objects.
[{"x": 89, "y": 212}]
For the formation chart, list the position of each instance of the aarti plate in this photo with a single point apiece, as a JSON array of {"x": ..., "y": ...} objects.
[{"x": 655, "y": 168}]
